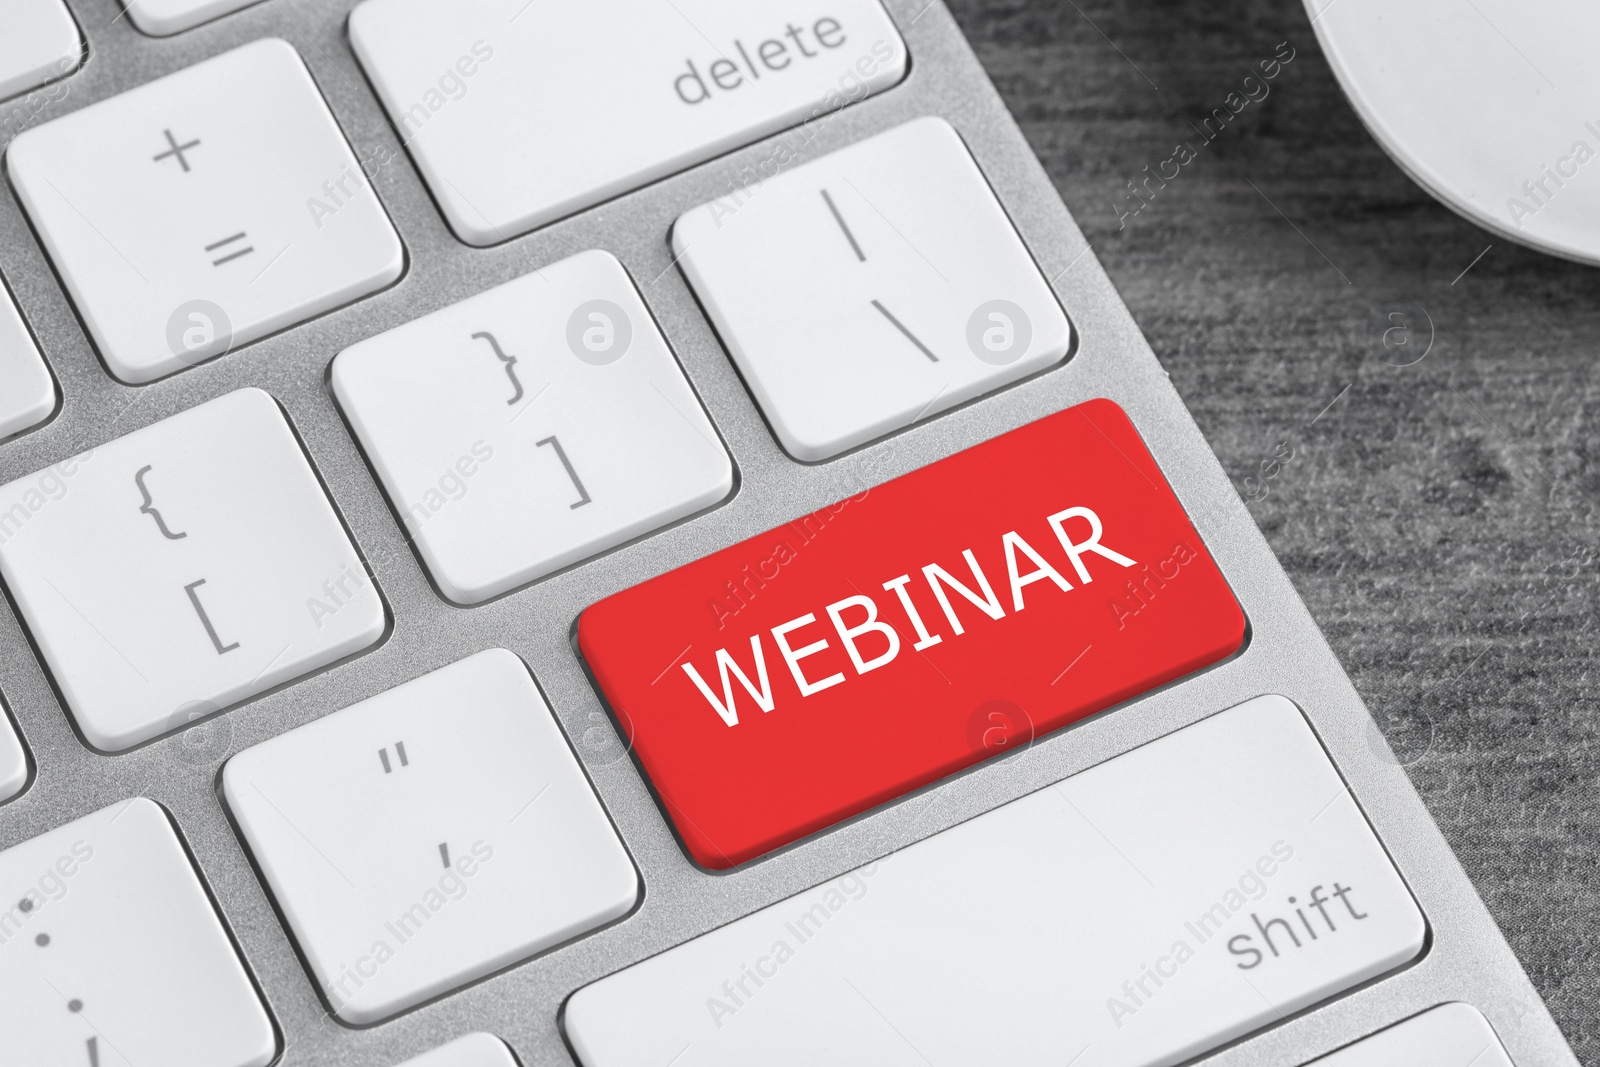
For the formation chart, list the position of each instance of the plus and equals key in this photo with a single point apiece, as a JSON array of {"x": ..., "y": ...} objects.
[{"x": 178, "y": 150}]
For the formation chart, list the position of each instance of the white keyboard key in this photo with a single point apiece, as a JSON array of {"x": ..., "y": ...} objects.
[
  {"x": 517, "y": 117},
  {"x": 112, "y": 956},
  {"x": 473, "y": 1050},
  {"x": 869, "y": 288},
  {"x": 1138, "y": 914},
  {"x": 185, "y": 567},
  {"x": 40, "y": 42},
  {"x": 204, "y": 210},
  {"x": 1451, "y": 1035},
  {"x": 161, "y": 18},
  {"x": 429, "y": 836},
  {"x": 13, "y": 761},
  {"x": 27, "y": 394},
  {"x": 531, "y": 426}
]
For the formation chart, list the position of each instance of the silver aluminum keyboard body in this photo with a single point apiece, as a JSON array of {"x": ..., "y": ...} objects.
[{"x": 1468, "y": 959}]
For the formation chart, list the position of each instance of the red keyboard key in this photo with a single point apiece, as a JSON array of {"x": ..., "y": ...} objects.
[{"x": 845, "y": 658}]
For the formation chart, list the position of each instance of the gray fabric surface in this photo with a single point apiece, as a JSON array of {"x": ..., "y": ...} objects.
[{"x": 1441, "y": 520}]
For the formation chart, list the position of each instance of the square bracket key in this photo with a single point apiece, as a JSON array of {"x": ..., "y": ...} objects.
[
  {"x": 531, "y": 426},
  {"x": 186, "y": 567},
  {"x": 204, "y": 210}
]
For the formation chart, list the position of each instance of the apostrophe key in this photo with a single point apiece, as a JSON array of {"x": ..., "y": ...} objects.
[{"x": 428, "y": 836}]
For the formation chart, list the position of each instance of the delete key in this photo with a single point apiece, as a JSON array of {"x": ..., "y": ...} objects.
[{"x": 953, "y": 614}]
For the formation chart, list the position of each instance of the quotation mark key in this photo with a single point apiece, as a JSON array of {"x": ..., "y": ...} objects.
[{"x": 400, "y": 750}]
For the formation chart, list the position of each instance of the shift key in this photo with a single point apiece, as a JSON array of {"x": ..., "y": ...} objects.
[
  {"x": 852, "y": 655},
  {"x": 1170, "y": 900}
]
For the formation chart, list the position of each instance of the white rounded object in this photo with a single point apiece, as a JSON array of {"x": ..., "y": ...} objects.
[{"x": 1493, "y": 106}]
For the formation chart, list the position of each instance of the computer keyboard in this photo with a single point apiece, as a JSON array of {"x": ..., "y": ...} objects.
[{"x": 639, "y": 533}]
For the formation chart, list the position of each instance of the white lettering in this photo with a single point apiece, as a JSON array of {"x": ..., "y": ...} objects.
[
  {"x": 1013, "y": 541},
  {"x": 989, "y": 604},
  {"x": 848, "y": 634},
  {"x": 860, "y": 637},
  {"x": 725, "y": 664},
  {"x": 1075, "y": 550},
  {"x": 924, "y": 638},
  {"x": 792, "y": 656}
]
